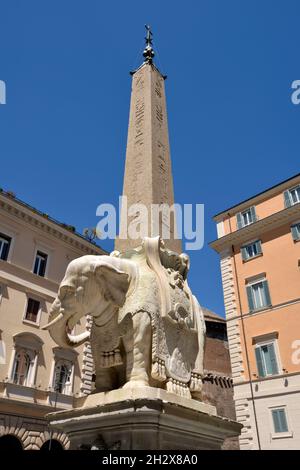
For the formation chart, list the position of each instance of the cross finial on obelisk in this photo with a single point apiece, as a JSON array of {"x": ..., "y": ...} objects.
[
  {"x": 148, "y": 38},
  {"x": 148, "y": 51}
]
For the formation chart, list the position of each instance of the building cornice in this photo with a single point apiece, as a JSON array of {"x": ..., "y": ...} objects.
[
  {"x": 264, "y": 310},
  {"x": 32, "y": 404},
  {"x": 259, "y": 227},
  {"x": 25, "y": 281},
  {"x": 46, "y": 224},
  {"x": 269, "y": 379}
]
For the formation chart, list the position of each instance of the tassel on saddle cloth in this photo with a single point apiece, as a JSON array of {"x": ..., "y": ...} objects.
[{"x": 110, "y": 358}]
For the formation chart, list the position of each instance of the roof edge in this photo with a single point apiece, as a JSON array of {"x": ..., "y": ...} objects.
[
  {"x": 70, "y": 230},
  {"x": 216, "y": 216}
]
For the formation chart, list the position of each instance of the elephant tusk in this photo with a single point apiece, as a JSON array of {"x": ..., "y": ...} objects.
[
  {"x": 53, "y": 322},
  {"x": 75, "y": 340}
]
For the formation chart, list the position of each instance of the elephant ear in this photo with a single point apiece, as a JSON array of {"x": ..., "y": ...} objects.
[{"x": 114, "y": 283}]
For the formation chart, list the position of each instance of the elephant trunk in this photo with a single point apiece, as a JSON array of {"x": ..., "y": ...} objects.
[{"x": 60, "y": 330}]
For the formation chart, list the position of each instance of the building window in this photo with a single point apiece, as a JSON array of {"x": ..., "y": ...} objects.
[
  {"x": 258, "y": 295},
  {"x": 32, "y": 310},
  {"x": 295, "y": 229},
  {"x": 2, "y": 351},
  {"x": 266, "y": 360},
  {"x": 246, "y": 217},
  {"x": 251, "y": 250},
  {"x": 24, "y": 363},
  {"x": 279, "y": 420},
  {"x": 62, "y": 380},
  {"x": 4, "y": 246},
  {"x": 292, "y": 196},
  {"x": 40, "y": 263},
  {"x": 22, "y": 368}
]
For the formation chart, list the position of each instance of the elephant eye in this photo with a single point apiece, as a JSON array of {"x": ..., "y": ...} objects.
[{"x": 66, "y": 290}]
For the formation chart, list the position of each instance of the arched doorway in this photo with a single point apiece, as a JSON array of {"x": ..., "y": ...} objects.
[
  {"x": 52, "y": 445},
  {"x": 10, "y": 443}
]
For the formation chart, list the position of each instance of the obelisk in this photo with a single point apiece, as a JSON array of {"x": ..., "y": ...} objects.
[{"x": 148, "y": 173}]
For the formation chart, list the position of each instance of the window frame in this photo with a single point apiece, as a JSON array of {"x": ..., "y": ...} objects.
[
  {"x": 31, "y": 374},
  {"x": 249, "y": 285},
  {"x": 33, "y": 344},
  {"x": 45, "y": 251},
  {"x": 284, "y": 434},
  {"x": 28, "y": 376},
  {"x": 288, "y": 202},
  {"x": 39, "y": 253},
  {"x": 3, "y": 352},
  {"x": 252, "y": 215},
  {"x": 290, "y": 193},
  {"x": 261, "y": 344},
  {"x": 8, "y": 240},
  {"x": 12, "y": 234},
  {"x": 250, "y": 243},
  {"x": 297, "y": 238},
  {"x": 68, "y": 386},
  {"x": 36, "y": 323},
  {"x": 64, "y": 355}
]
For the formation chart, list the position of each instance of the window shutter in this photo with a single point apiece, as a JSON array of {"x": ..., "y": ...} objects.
[
  {"x": 42, "y": 267},
  {"x": 36, "y": 264},
  {"x": 279, "y": 420},
  {"x": 250, "y": 298},
  {"x": 258, "y": 247},
  {"x": 287, "y": 199},
  {"x": 282, "y": 420},
  {"x": 273, "y": 359},
  {"x": 68, "y": 384},
  {"x": 239, "y": 221},
  {"x": 276, "y": 421},
  {"x": 56, "y": 378},
  {"x": 267, "y": 293},
  {"x": 260, "y": 369},
  {"x": 32, "y": 311},
  {"x": 244, "y": 253},
  {"x": 5, "y": 251},
  {"x": 295, "y": 232},
  {"x": 253, "y": 214}
]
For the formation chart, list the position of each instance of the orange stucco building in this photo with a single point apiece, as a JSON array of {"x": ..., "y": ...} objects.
[{"x": 259, "y": 245}]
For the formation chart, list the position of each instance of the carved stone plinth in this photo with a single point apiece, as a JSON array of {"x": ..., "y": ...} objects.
[{"x": 143, "y": 418}]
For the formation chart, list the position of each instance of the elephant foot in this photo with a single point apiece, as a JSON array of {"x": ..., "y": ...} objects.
[{"x": 136, "y": 383}]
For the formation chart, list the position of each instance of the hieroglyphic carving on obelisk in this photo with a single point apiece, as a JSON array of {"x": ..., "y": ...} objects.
[{"x": 148, "y": 173}]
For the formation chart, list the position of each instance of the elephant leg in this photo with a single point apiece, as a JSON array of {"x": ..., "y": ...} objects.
[
  {"x": 138, "y": 351},
  {"x": 105, "y": 379}
]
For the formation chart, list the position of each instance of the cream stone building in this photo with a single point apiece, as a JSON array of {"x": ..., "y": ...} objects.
[
  {"x": 36, "y": 376},
  {"x": 259, "y": 245}
]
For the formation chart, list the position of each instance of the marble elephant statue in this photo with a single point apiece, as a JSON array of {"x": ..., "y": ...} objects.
[{"x": 147, "y": 327}]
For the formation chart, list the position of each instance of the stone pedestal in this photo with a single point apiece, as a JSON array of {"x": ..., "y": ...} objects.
[{"x": 143, "y": 418}]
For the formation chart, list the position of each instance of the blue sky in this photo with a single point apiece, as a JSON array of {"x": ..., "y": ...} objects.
[{"x": 233, "y": 129}]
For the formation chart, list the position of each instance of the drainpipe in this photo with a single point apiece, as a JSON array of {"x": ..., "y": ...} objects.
[
  {"x": 245, "y": 343},
  {"x": 49, "y": 428}
]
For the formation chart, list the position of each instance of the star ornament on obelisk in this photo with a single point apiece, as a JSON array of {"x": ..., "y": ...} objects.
[{"x": 148, "y": 182}]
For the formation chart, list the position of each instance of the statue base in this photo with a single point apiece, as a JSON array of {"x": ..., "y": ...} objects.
[{"x": 143, "y": 418}]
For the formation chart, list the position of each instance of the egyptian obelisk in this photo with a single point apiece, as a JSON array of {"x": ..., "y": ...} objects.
[{"x": 148, "y": 173}]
